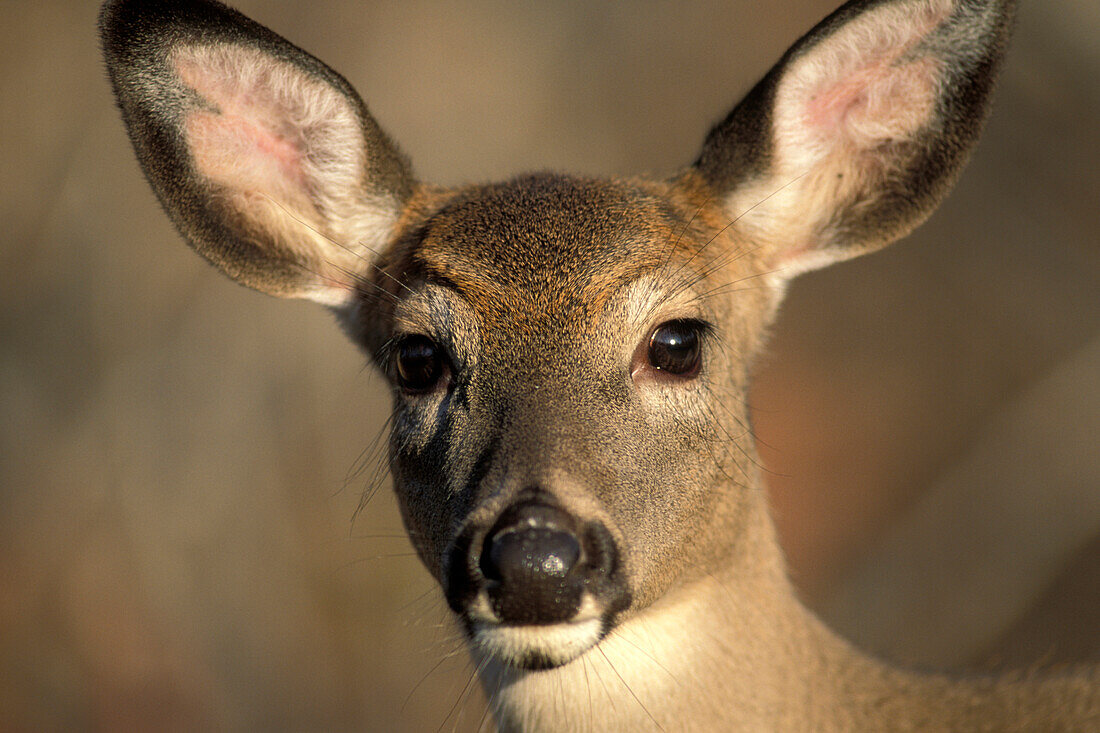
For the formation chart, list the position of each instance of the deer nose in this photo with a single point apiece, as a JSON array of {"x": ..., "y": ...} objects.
[{"x": 528, "y": 560}]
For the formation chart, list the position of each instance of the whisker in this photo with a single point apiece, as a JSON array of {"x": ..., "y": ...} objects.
[
  {"x": 618, "y": 632},
  {"x": 370, "y": 454},
  {"x": 489, "y": 705},
  {"x": 416, "y": 687},
  {"x": 417, "y": 599},
  {"x": 461, "y": 697},
  {"x": 676, "y": 244},
  {"x": 587, "y": 687},
  {"x": 629, "y": 689}
]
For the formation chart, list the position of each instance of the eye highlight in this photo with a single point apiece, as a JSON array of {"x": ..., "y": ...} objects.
[
  {"x": 675, "y": 348},
  {"x": 419, "y": 363}
]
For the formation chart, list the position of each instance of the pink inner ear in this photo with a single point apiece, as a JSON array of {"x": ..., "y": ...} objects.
[
  {"x": 243, "y": 144},
  {"x": 876, "y": 103},
  {"x": 866, "y": 85},
  {"x": 829, "y": 108},
  {"x": 241, "y": 153}
]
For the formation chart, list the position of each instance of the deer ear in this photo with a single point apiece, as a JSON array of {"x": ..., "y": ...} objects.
[
  {"x": 857, "y": 134},
  {"x": 266, "y": 160}
]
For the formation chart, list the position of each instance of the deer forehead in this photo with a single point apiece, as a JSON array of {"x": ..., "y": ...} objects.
[{"x": 553, "y": 252}]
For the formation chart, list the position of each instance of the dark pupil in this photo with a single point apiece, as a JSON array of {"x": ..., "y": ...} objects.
[
  {"x": 419, "y": 364},
  {"x": 674, "y": 347}
]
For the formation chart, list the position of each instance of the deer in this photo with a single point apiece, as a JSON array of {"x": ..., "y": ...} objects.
[{"x": 569, "y": 356}]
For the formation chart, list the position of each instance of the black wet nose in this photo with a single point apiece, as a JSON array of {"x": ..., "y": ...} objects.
[{"x": 529, "y": 560}]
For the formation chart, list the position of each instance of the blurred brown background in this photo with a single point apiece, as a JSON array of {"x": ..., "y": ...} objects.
[{"x": 181, "y": 459}]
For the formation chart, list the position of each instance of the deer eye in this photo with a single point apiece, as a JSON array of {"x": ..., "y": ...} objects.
[
  {"x": 674, "y": 348},
  {"x": 420, "y": 364}
]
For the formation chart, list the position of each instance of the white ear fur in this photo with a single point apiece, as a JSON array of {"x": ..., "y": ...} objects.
[
  {"x": 285, "y": 153},
  {"x": 848, "y": 113}
]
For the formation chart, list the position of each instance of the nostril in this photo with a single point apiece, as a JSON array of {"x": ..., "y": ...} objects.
[
  {"x": 599, "y": 549},
  {"x": 530, "y": 554}
]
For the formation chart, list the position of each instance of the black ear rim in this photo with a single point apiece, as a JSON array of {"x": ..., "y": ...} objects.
[
  {"x": 136, "y": 37},
  {"x": 740, "y": 148}
]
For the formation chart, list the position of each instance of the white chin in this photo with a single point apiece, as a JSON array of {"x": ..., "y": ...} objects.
[{"x": 536, "y": 646}]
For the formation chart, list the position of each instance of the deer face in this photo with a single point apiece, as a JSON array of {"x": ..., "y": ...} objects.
[{"x": 561, "y": 429}]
